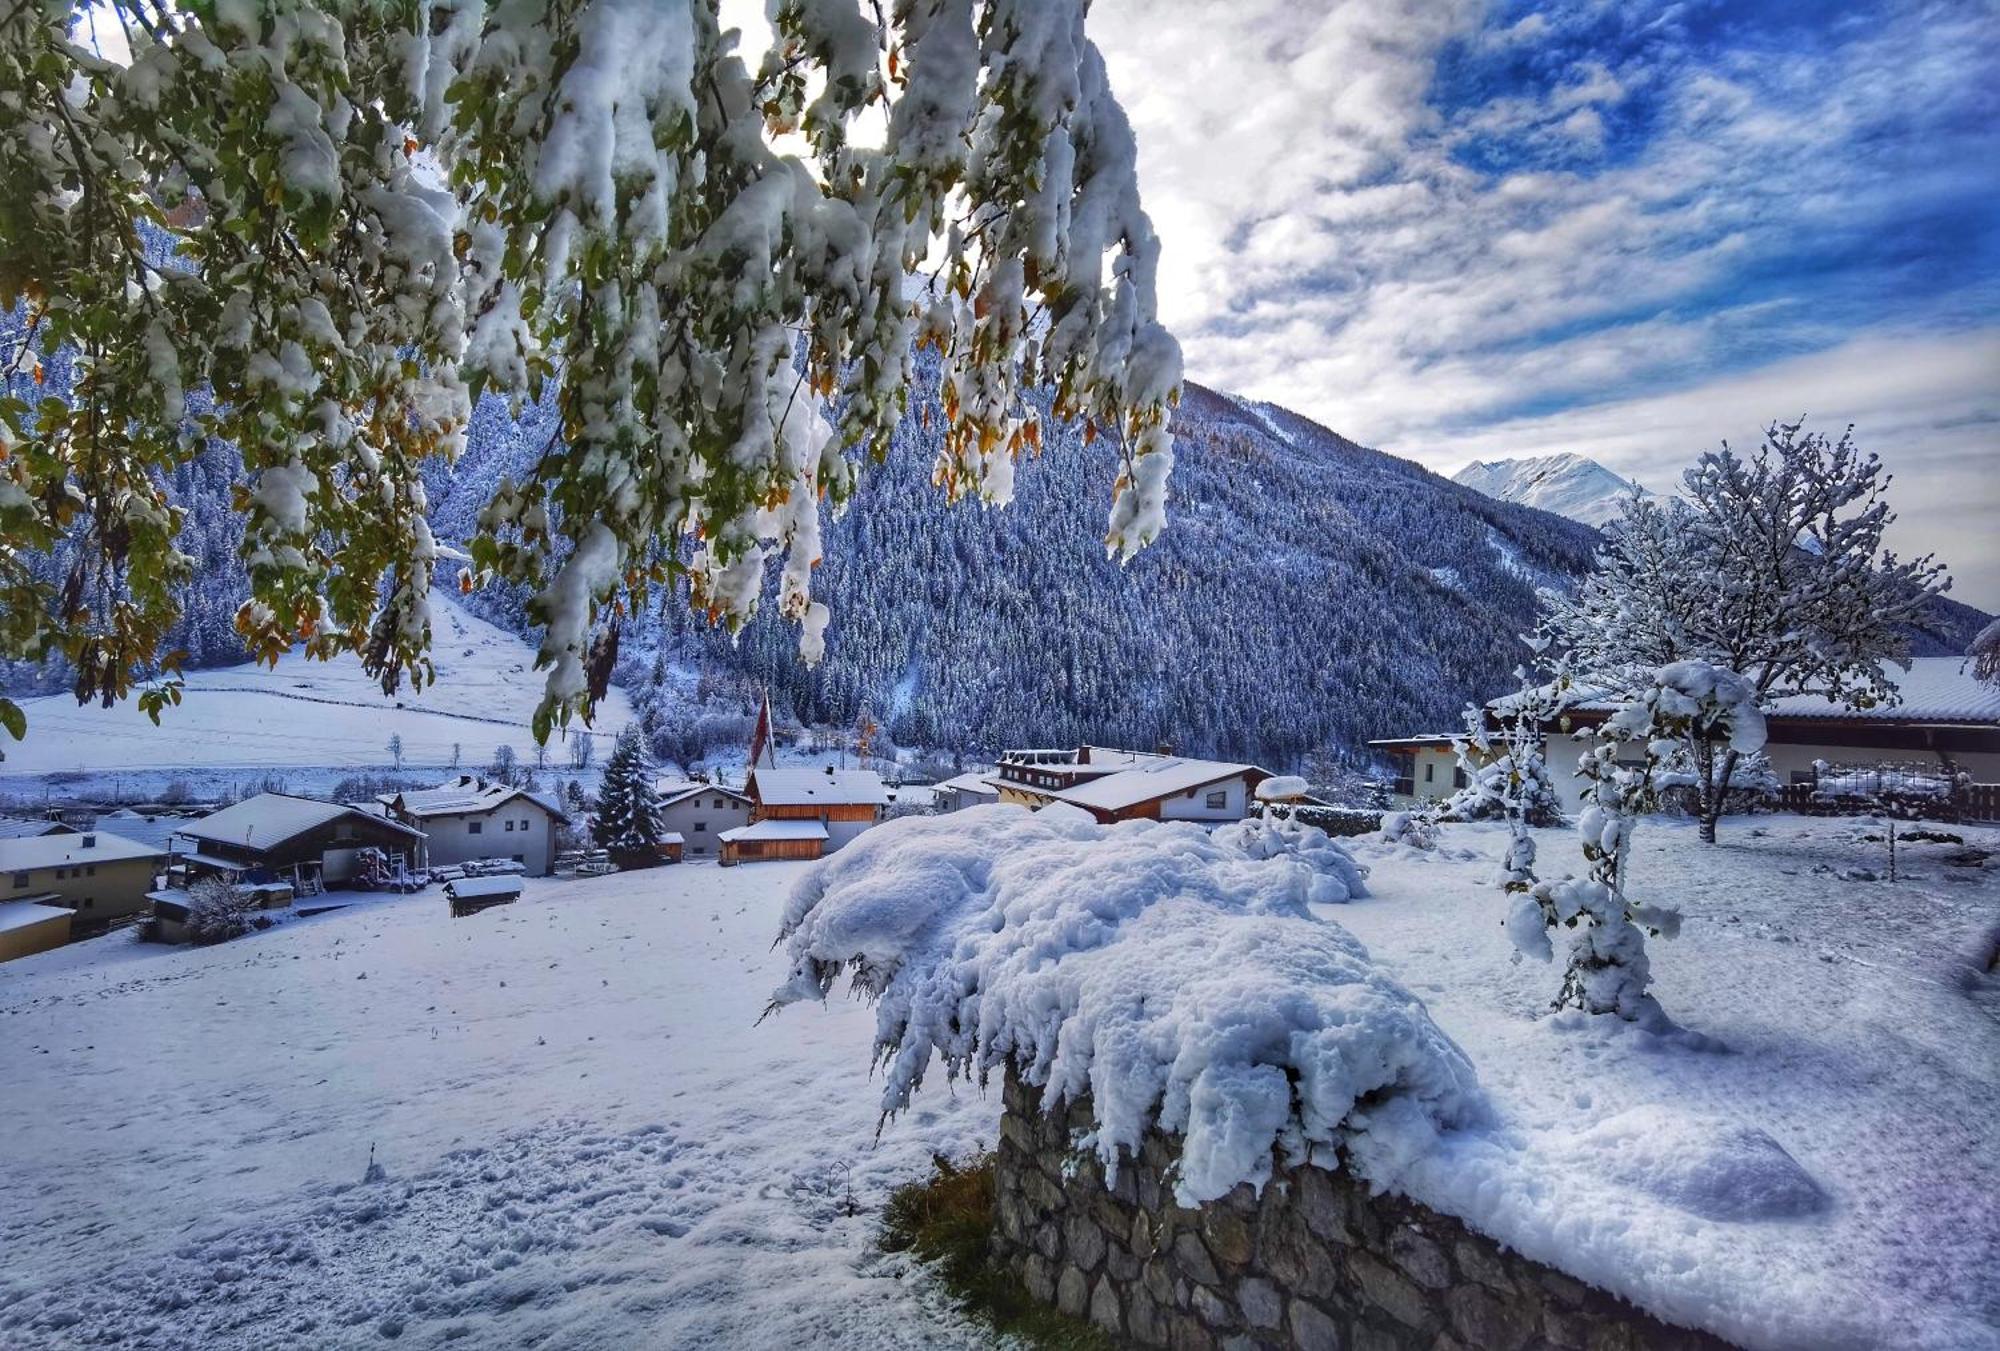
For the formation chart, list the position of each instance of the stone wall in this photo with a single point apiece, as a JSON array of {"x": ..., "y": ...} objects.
[{"x": 1316, "y": 1262}]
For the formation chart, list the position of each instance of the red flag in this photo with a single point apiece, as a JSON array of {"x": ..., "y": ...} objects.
[{"x": 764, "y": 741}]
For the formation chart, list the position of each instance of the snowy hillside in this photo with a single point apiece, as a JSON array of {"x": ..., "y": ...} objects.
[
  {"x": 1572, "y": 486},
  {"x": 313, "y": 713},
  {"x": 586, "y": 1138}
]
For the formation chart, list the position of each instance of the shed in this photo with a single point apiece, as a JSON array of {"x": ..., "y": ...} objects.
[
  {"x": 470, "y": 895},
  {"x": 793, "y": 839}
]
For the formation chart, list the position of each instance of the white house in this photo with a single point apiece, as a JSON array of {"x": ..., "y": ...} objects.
[
  {"x": 1120, "y": 785},
  {"x": 1943, "y": 720},
  {"x": 700, "y": 812},
  {"x": 976, "y": 789},
  {"x": 469, "y": 818}
]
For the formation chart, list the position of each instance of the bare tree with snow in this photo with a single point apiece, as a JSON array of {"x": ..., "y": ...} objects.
[
  {"x": 1773, "y": 567},
  {"x": 1985, "y": 653}
]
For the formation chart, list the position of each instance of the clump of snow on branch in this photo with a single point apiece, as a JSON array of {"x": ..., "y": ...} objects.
[
  {"x": 1280, "y": 787},
  {"x": 1175, "y": 977}
]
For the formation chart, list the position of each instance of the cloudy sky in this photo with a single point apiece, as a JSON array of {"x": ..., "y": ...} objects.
[{"x": 1460, "y": 230}]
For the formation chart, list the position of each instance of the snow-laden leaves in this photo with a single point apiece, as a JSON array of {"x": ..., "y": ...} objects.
[
  {"x": 379, "y": 212},
  {"x": 1175, "y": 977}
]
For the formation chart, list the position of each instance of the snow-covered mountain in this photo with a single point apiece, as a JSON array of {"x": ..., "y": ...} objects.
[{"x": 1568, "y": 485}]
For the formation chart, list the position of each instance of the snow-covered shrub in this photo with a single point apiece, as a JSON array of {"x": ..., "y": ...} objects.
[
  {"x": 218, "y": 911},
  {"x": 628, "y": 805},
  {"x": 1176, "y": 978},
  {"x": 1336, "y": 821},
  {"x": 1415, "y": 829}
]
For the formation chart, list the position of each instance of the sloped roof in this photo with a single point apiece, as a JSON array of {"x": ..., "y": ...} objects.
[
  {"x": 978, "y": 781},
  {"x": 775, "y": 830},
  {"x": 1934, "y": 689},
  {"x": 676, "y": 790},
  {"x": 466, "y": 795},
  {"x": 153, "y": 830},
  {"x": 22, "y": 828},
  {"x": 60, "y": 851},
  {"x": 269, "y": 819},
  {"x": 1165, "y": 777},
  {"x": 818, "y": 787}
]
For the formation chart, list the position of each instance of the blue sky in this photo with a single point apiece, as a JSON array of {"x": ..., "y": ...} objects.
[{"x": 1465, "y": 230}]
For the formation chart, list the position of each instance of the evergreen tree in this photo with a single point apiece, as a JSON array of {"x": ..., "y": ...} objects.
[{"x": 628, "y": 809}]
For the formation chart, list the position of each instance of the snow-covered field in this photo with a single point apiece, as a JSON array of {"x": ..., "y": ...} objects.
[
  {"x": 313, "y": 713},
  {"x": 586, "y": 1139}
]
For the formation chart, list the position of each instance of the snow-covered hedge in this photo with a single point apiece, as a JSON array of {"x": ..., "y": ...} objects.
[{"x": 1175, "y": 976}]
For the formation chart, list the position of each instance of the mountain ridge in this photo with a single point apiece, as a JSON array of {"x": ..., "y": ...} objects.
[{"x": 1568, "y": 484}]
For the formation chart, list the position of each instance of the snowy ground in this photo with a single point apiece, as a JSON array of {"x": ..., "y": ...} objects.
[
  {"x": 312, "y": 713},
  {"x": 587, "y": 1141},
  {"x": 1845, "y": 1028}
]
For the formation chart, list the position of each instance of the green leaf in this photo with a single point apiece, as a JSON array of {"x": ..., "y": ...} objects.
[{"x": 13, "y": 719}]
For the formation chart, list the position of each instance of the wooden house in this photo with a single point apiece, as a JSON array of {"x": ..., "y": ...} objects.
[
  {"x": 773, "y": 839},
  {"x": 275, "y": 837},
  {"x": 844, "y": 802}
]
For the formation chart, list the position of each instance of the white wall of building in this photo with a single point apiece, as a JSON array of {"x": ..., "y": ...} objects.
[
  {"x": 1228, "y": 800},
  {"x": 518, "y": 829},
  {"x": 702, "y": 817}
]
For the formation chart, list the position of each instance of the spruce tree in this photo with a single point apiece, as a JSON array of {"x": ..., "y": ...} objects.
[{"x": 628, "y": 810}]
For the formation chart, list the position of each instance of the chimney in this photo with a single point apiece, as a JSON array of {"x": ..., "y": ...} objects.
[
  {"x": 1083, "y": 755},
  {"x": 89, "y": 842},
  {"x": 1164, "y": 748}
]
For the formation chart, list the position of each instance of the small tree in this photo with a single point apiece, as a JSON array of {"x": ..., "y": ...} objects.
[
  {"x": 1608, "y": 970},
  {"x": 218, "y": 911},
  {"x": 1772, "y": 568},
  {"x": 582, "y": 746},
  {"x": 396, "y": 750},
  {"x": 503, "y": 766},
  {"x": 628, "y": 808}
]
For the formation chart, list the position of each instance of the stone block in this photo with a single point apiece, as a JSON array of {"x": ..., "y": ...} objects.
[
  {"x": 1141, "y": 1235},
  {"x": 1072, "y": 1292},
  {"x": 1185, "y": 1332},
  {"x": 1193, "y": 1259},
  {"x": 1143, "y": 1323},
  {"x": 1312, "y": 1329},
  {"x": 1324, "y": 1211},
  {"x": 1105, "y": 1310},
  {"x": 1259, "y": 1302},
  {"x": 1227, "y": 1237},
  {"x": 1392, "y": 1292},
  {"x": 1480, "y": 1263},
  {"x": 1417, "y": 1257},
  {"x": 1487, "y": 1321},
  {"x": 1038, "y": 1275},
  {"x": 1083, "y": 1242},
  {"x": 1213, "y": 1309},
  {"x": 1048, "y": 1239}
]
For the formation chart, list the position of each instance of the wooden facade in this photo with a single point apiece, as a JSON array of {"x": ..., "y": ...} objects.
[{"x": 760, "y": 851}]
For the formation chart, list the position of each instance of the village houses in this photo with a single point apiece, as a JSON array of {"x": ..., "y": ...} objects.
[
  {"x": 1121, "y": 785},
  {"x": 700, "y": 812},
  {"x": 94, "y": 878}
]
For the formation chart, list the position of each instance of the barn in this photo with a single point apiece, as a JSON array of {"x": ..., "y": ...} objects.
[{"x": 275, "y": 837}]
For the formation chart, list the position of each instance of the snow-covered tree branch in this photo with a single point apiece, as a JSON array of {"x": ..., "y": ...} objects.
[{"x": 379, "y": 212}]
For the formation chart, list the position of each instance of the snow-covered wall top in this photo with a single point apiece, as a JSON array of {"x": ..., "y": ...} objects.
[{"x": 1174, "y": 976}]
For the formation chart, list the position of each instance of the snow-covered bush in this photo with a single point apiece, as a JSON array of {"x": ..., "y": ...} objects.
[
  {"x": 218, "y": 911},
  {"x": 1176, "y": 978},
  {"x": 1753, "y": 785},
  {"x": 1416, "y": 828}
]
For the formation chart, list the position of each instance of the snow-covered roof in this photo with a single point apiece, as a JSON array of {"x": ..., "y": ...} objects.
[
  {"x": 1934, "y": 689},
  {"x": 978, "y": 781},
  {"x": 269, "y": 819},
  {"x": 469, "y": 888},
  {"x": 1153, "y": 778},
  {"x": 677, "y": 790},
  {"x": 22, "y": 914},
  {"x": 673, "y": 837},
  {"x": 60, "y": 851},
  {"x": 466, "y": 795},
  {"x": 775, "y": 830},
  {"x": 818, "y": 787},
  {"x": 21, "y": 828},
  {"x": 156, "y": 831}
]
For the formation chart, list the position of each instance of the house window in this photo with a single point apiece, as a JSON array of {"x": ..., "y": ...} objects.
[
  {"x": 520, "y": 858},
  {"x": 1430, "y": 772},
  {"x": 719, "y": 804},
  {"x": 701, "y": 826},
  {"x": 60, "y": 874},
  {"x": 1458, "y": 779},
  {"x": 20, "y": 880},
  {"x": 509, "y": 825},
  {"x": 90, "y": 870},
  {"x": 90, "y": 903},
  {"x": 474, "y": 827},
  {"x": 1218, "y": 800}
]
